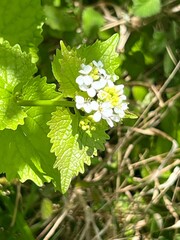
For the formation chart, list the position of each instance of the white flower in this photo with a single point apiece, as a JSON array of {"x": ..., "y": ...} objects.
[
  {"x": 94, "y": 105},
  {"x": 91, "y": 92},
  {"x": 84, "y": 80},
  {"x": 122, "y": 98},
  {"x": 124, "y": 106},
  {"x": 86, "y": 105},
  {"x": 102, "y": 72},
  {"x": 120, "y": 114},
  {"x": 119, "y": 89},
  {"x": 115, "y": 77},
  {"x": 107, "y": 78},
  {"x": 109, "y": 83},
  {"x": 98, "y": 64},
  {"x": 115, "y": 118},
  {"x": 79, "y": 102},
  {"x": 84, "y": 83},
  {"x": 120, "y": 108},
  {"x": 97, "y": 85},
  {"x": 93, "y": 79},
  {"x": 105, "y": 100},
  {"x": 86, "y": 69},
  {"x": 104, "y": 112},
  {"x": 110, "y": 122}
]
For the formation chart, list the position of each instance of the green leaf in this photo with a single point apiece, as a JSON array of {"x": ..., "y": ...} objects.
[
  {"x": 15, "y": 67},
  {"x": 11, "y": 114},
  {"x": 92, "y": 134},
  {"x": 104, "y": 51},
  {"x": 64, "y": 137},
  {"x": 66, "y": 66},
  {"x": 146, "y": 8},
  {"x": 21, "y": 22},
  {"x": 19, "y": 158},
  {"x": 91, "y": 24},
  {"x": 25, "y": 153},
  {"x": 72, "y": 145}
]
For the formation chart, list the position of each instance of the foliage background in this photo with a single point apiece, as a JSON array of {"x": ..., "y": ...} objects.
[{"x": 131, "y": 190}]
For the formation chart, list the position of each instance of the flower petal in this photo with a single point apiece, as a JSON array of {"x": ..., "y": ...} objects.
[
  {"x": 91, "y": 92},
  {"x": 97, "y": 116},
  {"x": 110, "y": 83},
  {"x": 80, "y": 80},
  {"x": 110, "y": 122},
  {"x": 86, "y": 69},
  {"x": 94, "y": 105},
  {"x": 87, "y": 107},
  {"x": 83, "y": 87},
  {"x": 98, "y": 64},
  {"x": 99, "y": 84},
  {"x": 79, "y": 99},
  {"x": 103, "y": 72},
  {"x": 88, "y": 80}
]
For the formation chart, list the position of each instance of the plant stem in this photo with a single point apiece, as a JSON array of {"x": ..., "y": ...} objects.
[{"x": 37, "y": 103}]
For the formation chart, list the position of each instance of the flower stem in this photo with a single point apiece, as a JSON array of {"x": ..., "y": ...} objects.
[{"x": 37, "y": 103}]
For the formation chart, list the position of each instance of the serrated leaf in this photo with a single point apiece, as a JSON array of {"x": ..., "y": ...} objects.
[
  {"x": 94, "y": 137},
  {"x": 146, "y": 8},
  {"x": 19, "y": 158},
  {"x": 11, "y": 115},
  {"x": 21, "y": 23},
  {"x": 73, "y": 146},
  {"x": 25, "y": 153},
  {"x": 104, "y": 51},
  {"x": 66, "y": 66},
  {"x": 15, "y": 67},
  {"x": 64, "y": 137}
]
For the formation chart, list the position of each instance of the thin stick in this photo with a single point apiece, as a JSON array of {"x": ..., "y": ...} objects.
[{"x": 56, "y": 225}]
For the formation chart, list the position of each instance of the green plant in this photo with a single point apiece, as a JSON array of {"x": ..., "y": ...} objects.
[
  {"x": 49, "y": 129},
  {"x": 27, "y": 103}
]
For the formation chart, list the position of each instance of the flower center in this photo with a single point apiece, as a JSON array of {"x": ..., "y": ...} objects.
[
  {"x": 94, "y": 74},
  {"x": 109, "y": 94}
]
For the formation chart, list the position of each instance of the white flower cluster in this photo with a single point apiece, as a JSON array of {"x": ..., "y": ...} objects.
[{"x": 101, "y": 98}]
